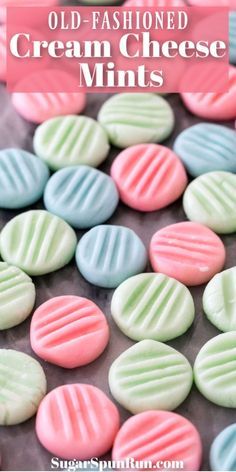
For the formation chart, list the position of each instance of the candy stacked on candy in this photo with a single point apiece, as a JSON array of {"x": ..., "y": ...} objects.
[{"x": 150, "y": 379}]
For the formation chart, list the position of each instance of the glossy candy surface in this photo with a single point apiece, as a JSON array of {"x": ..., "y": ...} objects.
[
  {"x": 135, "y": 118},
  {"x": 215, "y": 370},
  {"x": 150, "y": 376},
  {"x": 41, "y": 106},
  {"x": 159, "y": 436},
  {"x": 189, "y": 252},
  {"x": 22, "y": 178},
  {"x": 207, "y": 147},
  {"x": 77, "y": 421},
  {"x": 148, "y": 176},
  {"x": 17, "y": 296},
  {"x": 22, "y": 386},
  {"x": 222, "y": 452},
  {"x": 211, "y": 200},
  {"x": 152, "y": 306},
  {"x": 108, "y": 254},
  {"x": 37, "y": 242},
  {"x": 81, "y": 195},
  {"x": 69, "y": 331},
  {"x": 71, "y": 140},
  {"x": 219, "y": 300}
]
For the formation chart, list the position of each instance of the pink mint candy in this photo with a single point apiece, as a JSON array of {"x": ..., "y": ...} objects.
[
  {"x": 213, "y": 106},
  {"x": 149, "y": 176},
  {"x": 41, "y": 106},
  {"x": 77, "y": 421},
  {"x": 69, "y": 331},
  {"x": 188, "y": 252},
  {"x": 159, "y": 436}
]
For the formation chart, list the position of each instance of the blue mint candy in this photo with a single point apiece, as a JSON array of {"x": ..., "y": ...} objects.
[
  {"x": 81, "y": 195},
  {"x": 108, "y": 255},
  {"x": 207, "y": 147},
  {"x": 223, "y": 450},
  {"x": 232, "y": 37},
  {"x": 22, "y": 178}
]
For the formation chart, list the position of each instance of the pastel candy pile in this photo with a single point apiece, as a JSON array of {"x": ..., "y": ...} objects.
[
  {"x": 148, "y": 176},
  {"x": 211, "y": 200},
  {"x": 207, "y": 147},
  {"x": 77, "y": 421},
  {"x": 81, "y": 195},
  {"x": 152, "y": 306},
  {"x": 108, "y": 254},
  {"x": 219, "y": 300},
  {"x": 159, "y": 436},
  {"x": 135, "y": 118},
  {"x": 71, "y": 140},
  {"x": 232, "y": 37},
  {"x": 37, "y": 242},
  {"x": 222, "y": 453},
  {"x": 39, "y": 107},
  {"x": 22, "y": 178},
  {"x": 22, "y": 386},
  {"x": 154, "y": 3},
  {"x": 215, "y": 370},
  {"x": 213, "y": 106},
  {"x": 17, "y": 296},
  {"x": 69, "y": 331},
  {"x": 3, "y": 61},
  {"x": 150, "y": 376},
  {"x": 189, "y": 252}
]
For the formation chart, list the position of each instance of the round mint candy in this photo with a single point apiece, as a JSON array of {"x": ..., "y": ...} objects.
[
  {"x": 215, "y": 370},
  {"x": 152, "y": 306},
  {"x": 17, "y": 296},
  {"x": 136, "y": 118},
  {"x": 219, "y": 300},
  {"x": 71, "y": 140},
  {"x": 81, "y": 195},
  {"x": 22, "y": 386},
  {"x": 150, "y": 376},
  {"x": 37, "y": 242},
  {"x": 211, "y": 200},
  {"x": 207, "y": 147},
  {"x": 22, "y": 178},
  {"x": 222, "y": 453},
  {"x": 108, "y": 254}
]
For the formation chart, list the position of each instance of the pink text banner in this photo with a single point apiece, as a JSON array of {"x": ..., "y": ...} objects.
[{"x": 98, "y": 49}]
